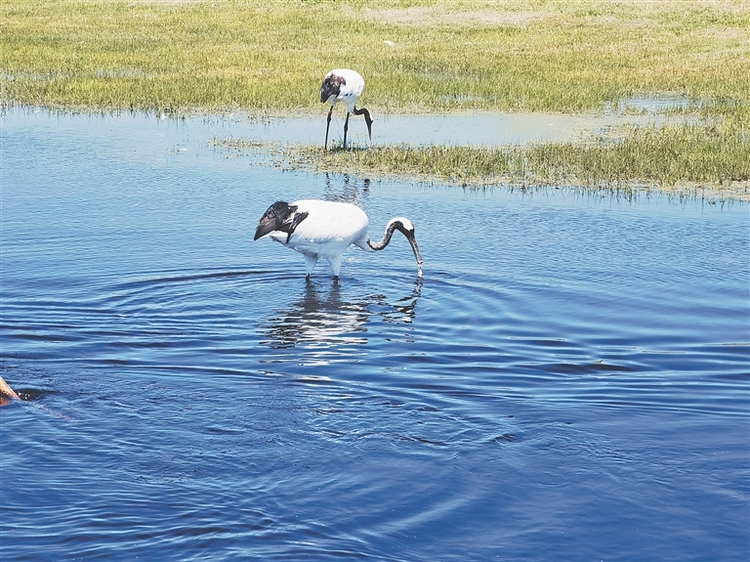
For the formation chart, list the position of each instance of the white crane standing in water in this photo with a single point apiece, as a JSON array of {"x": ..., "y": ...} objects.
[
  {"x": 324, "y": 229},
  {"x": 343, "y": 84}
]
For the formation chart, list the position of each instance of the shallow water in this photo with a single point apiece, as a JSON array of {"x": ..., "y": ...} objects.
[
  {"x": 569, "y": 379},
  {"x": 469, "y": 128}
]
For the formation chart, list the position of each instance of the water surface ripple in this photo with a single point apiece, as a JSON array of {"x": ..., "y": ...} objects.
[{"x": 568, "y": 381}]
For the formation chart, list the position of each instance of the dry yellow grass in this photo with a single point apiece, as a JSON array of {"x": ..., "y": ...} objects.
[{"x": 514, "y": 55}]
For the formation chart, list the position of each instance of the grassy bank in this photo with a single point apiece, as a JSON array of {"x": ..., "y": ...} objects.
[{"x": 269, "y": 56}]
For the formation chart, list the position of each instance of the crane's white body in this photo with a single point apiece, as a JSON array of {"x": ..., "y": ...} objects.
[
  {"x": 344, "y": 85},
  {"x": 349, "y": 91},
  {"x": 325, "y": 229},
  {"x": 330, "y": 228}
]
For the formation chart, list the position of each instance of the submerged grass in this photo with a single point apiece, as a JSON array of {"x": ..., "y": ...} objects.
[{"x": 269, "y": 56}]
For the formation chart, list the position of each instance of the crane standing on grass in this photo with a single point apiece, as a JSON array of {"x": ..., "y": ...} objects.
[{"x": 343, "y": 84}]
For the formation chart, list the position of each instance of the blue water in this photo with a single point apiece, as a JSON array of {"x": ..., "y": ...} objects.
[{"x": 568, "y": 381}]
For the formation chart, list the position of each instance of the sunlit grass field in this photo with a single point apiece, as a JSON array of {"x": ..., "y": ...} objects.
[{"x": 269, "y": 57}]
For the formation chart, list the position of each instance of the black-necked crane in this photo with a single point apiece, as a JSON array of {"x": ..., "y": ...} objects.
[
  {"x": 343, "y": 84},
  {"x": 324, "y": 229}
]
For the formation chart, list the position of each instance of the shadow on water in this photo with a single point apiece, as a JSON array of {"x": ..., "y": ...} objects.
[{"x": 483, "y": 128}]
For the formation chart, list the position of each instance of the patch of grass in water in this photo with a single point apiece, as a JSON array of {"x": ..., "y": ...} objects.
[{"x": 672, "y": 158}]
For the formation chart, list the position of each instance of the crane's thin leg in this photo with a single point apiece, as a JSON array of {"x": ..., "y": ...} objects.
[
  {"x": 335, "y": 262},
  {"x": 328, "y": 124},
  {"x": 310, "y": 262},
  {"x": 346, "y": 128}
]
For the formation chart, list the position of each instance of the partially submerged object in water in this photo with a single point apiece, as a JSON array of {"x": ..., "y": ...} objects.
[{"x": 6, "y": 392}]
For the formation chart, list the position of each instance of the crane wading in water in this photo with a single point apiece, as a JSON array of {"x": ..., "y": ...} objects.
[
  {"x": 344, "y": 85},
  {"x": 324, "y": 229}
]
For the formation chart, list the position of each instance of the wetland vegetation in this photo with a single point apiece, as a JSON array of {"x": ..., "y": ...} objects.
[{"x": 268, "y": 58}]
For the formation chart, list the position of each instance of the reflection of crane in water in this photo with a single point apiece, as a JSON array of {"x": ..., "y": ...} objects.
[
  {"x": 349, "y": 192},
  {"x": 321, "y": 318},
  {"x": 326, "y": 321},
  {"x": 405, "y": 309}
]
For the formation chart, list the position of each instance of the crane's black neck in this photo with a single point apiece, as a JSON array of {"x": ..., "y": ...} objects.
[
  {"x": 389, "y": 230},
  {"x": 363, "y": 111}
]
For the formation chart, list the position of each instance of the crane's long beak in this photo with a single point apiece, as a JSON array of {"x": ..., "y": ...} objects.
[{"x": 415, "y": 248}]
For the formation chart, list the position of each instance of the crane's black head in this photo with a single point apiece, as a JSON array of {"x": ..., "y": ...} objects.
[
  {"x": 331, "y": 86},
  {"x": 279, "y": 216},
  {"x": 274, "y": 218}
]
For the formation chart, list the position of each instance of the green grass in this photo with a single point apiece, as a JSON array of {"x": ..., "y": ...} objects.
[
  {"x": 269, "y": 56},
  {"x": 674, "y": 158}
]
